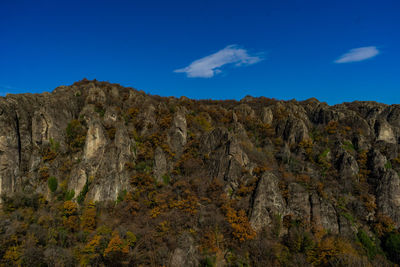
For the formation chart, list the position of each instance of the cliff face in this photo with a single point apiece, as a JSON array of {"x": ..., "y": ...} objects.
[{"x": 331, "y": 169}]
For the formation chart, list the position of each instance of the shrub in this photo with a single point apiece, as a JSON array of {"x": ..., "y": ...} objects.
[
  {"x": 388, "y": 165},
  {"x": 75, "y": 135},
  {"x": 331, "y": 127},
  {"x": 348, "y": 146},
  {"x": 88, "y": 220},
  {"x": 99, "y": 109},
  {"x": 52, "y": 183},
  {"x": 392, "y": 246},
  {"x": 121, "y": 196},
  {"x": 166, "y": 179},
  {"x": 69, "y": 194},
  {"x": 54, "y": 145},
  {"x": 367, "y": 243},
  {"x": 117, "y": 249},
  {"x": 82, "y": 194},
  {"x": 44, "y": 172},
  {"x": 241, "y": 228}
]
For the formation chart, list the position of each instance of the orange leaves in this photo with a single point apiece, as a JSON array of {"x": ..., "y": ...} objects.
[
  {"x": 88, "y": 219},
  {"x": 239, "y": 223},
  {"x": 369, "y": 201},
  {"x": 330, "y": 248},
  {"x": 332, "y": 126},
  {"x": 384, "y": 224},
  {"x": 213, "y": 241},
  {"x": 165, "y": 121},
  {"x": 116, "y": 249},
  {"x": 70, "y": 208},
  {"x": 93, "y": 245},
  {"x": 188, "y": 204},
  {"x": 70, "y": 219},
  {"x": 142, "y": 181},
  {"x": 71, "y": 223},
  {"x": 132, "y": 113}
]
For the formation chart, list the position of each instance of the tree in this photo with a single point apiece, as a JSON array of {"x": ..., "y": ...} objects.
[{"x": 117, "y": 250}]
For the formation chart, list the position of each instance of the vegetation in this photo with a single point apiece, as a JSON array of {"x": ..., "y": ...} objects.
[
  {"x": 198, "y": 198},
  {"x": 52, "y": 183}
]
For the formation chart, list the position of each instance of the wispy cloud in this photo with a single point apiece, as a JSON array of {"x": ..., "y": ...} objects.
[
  {"x": 358, "y": 54},
  {"x": 208, "y": 66}
]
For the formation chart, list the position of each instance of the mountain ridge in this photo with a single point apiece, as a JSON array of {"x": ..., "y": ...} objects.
[{"x": 206, "y": 182}]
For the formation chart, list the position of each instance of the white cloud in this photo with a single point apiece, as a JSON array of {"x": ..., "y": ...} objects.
[
  {"x": 209, "y": 66},
  {"x": 358, "y": 54}
]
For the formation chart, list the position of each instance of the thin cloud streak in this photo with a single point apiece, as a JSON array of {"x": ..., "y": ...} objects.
[
  {"x": 358, "y": 54},
  {"x": 211, "y": 65}
]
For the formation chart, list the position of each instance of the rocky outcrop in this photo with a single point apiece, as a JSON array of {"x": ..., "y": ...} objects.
[
  {"x": 268, "y": 202},
  {"x": 334, "y": 167}
]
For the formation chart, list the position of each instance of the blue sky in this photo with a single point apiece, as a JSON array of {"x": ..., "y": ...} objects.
[{"x": 335, "y": 51}]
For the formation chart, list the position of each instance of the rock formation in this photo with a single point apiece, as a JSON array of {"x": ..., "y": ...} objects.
[{"x": 280, "y": 166}]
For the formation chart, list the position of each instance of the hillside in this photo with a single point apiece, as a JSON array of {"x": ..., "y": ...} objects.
[{"x": 97, "y": 174}]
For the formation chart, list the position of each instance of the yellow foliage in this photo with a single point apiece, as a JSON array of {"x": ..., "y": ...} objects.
[
  {"x": 239, "y": 222},
  {"x": 330, "y": 248},
  {"x": 369, "y": 201},
  {"x": 163, "y": 227},
  {"x": 189, "y": 203},
  {"x": 116, "y": 249},
  {"x": 332, "y": 126},
  {"x": 71, "y": 222},
  {"x": 88, "y": 219},
  {"x": 91, "y": 251},
  {"x": 93, "y": 245},
  {"x": 70, "y": 208},
  {"x": 44, "y": 172},
  {"x": 384, "y": 224},
  {"x": 213, "y": 241},
  {"x": 130, "y": 239},
  {"x": 13, "y": 255}
]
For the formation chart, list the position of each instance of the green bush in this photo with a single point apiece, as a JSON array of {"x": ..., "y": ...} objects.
[
  {"x": 166, "y": 179},
  {"x": 392, "y": 247},
  {"x": 52, "y": 184},
  {"x": 368, "y": 244},
  {"x": 69, "y": 195},
  {"x": 54, "y": 145},
  {"x": 121, "y": 196},
  {"x": 82, "y": 194},
  {"x": 388, "y": 165},
  {"x": 348, "y": 146}
]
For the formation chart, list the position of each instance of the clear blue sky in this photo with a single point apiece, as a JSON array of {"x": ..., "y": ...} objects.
[{"x": 283, "y": 49}]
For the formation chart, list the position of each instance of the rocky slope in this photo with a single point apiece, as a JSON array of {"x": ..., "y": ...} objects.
[{"x": 257, "y": 181}]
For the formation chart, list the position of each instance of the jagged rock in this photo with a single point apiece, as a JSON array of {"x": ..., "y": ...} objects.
[
  {"x": 376, "y": 163},
  {"x": 348, "y": 166},
  {"x": 231, "y": 151},
  {"x": 268, "y": 202},
  {"x": 95, "y": 141},
  {"x": 160, "y": 164},
  {"x": 348, "y": 169},
  {"x": 384, "y": 132},
  {"x": 245, "y": 111},
  {"x": 388, "y": 195},
  {"x": 267, "y": 115},
  {"x": 299, "y": 202},
  {"x": 324, "y": 214},
  {"x": 179, "y": 131},
  {"x": 295, "y": 131}
]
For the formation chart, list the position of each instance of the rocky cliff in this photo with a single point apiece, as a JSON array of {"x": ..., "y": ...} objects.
[{"x": 257, "y": 181}]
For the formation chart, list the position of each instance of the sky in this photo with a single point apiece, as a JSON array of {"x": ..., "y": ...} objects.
[{"x": 336, "y": 51}]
